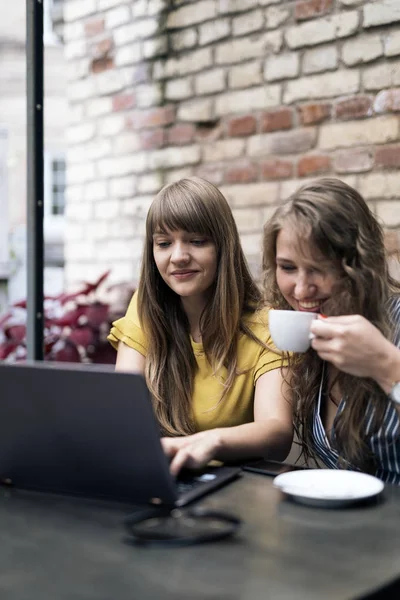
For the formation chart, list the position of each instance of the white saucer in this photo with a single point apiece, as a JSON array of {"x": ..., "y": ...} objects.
[{"x": 328, "y": 487}]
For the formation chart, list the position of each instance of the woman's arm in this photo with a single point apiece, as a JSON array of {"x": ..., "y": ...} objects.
[
  {"x": 352, "y": 344},
  {"x": 270, "y": 434},
  {"x": 129, "y": 359}
]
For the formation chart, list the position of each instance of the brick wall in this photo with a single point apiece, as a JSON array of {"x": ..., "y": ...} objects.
[{"x": 257, "y": 96}]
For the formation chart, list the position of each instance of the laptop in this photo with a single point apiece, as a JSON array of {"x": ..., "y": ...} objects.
[{"x": 89, "y": 431}]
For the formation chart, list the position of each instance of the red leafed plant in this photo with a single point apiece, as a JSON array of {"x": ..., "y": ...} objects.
[{"x": 76, "y": 325}]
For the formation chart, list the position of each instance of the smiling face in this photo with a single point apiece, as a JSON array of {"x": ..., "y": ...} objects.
[
  {"x": 305, "y": 278},
  {"x": 187, "y": 262}
]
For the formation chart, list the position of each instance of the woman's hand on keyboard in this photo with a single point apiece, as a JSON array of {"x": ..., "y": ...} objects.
[{"x": 192, "y": 451}]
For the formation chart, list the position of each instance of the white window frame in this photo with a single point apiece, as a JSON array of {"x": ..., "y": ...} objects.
[
  {"x": 54, "y": 225},
  {"x": 50, "y": 38}
]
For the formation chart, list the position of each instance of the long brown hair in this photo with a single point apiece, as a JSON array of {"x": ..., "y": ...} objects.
[
  {"x": 334, "y": 220},
  {"x": 196, "y": 206}
]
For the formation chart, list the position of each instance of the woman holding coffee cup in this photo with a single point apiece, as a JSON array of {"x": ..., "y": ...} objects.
[
  {"x": 324, "y": 256},
  {"x": 196, "y": 331}
]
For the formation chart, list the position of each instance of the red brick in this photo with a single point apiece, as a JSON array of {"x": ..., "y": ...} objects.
[
  {"x": 242, "y": 126},
  {"x": 180, "y": 134},
  {"x": 354, "y": 108},
  {"x": 388, "y": 156},
  {"x": 276, "y": 169},
  {"x": 307, "y": 9},
  {"x": 387, "y": 101},
  {"x": 94, "y": 27},
  {"x": 241, "y": 173},
  {"x": 353, "y": 161},
  {"x": 152, "y": 139},
  {"x": 102, "y": 64},
  {"x": 277, "y": 119},
  {"x": 154, "y": 117},
  {"x": 211, "y": 173},
  {"x": 314, "y": 113},
  {"x": 123, "y": 101},
  {"x": 312, "y": 165},
  {"x": 293, "y": 142}
]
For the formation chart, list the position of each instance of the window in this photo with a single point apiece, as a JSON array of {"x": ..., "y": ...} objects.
[
  {"x": 57, "y": 195},
  {"x": 52, "y": 21},
  {"x": 54, "y": 196}
]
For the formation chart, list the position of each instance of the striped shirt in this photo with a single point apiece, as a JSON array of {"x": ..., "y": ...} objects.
[{"x": 384, "y": 444}]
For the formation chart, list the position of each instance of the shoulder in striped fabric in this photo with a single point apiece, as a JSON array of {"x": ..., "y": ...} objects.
[{"x": 394, "y": 311}]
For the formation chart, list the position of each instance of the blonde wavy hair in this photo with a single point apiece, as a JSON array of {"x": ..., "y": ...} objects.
[{"x": 333, "y": 219}]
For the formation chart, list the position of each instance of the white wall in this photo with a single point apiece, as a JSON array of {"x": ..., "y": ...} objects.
[{"x": 13, "y": 119}]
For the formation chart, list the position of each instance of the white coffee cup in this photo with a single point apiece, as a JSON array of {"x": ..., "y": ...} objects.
[{"x": 290, "y": 329}]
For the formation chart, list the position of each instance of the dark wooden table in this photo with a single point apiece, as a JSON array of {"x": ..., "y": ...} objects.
[{"x": 55, "y": 548}]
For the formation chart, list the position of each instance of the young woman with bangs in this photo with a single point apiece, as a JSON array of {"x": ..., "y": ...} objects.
[
  {"x": 196, "y": 330},
  {"x": 324, "y": 252}
]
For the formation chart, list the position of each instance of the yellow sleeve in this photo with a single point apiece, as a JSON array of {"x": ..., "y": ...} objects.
[
  {"x": 268, "y": 361},
  {"x": 128, "y": 330},
  {"x": 269, "y": 358}
]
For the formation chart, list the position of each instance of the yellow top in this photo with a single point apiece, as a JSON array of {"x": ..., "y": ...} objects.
[{"x": 237, "y": 406}]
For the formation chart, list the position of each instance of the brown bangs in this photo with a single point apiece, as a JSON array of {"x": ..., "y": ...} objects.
[
  {"x": 315, "y": 224},
  {"x": 180, "y": 208}
]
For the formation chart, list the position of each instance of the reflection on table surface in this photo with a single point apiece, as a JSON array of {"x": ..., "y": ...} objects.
[{"x": 66, "y": 549}]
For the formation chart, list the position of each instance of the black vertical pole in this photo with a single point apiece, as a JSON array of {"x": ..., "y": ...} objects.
[{"x": 35, "y": 186}]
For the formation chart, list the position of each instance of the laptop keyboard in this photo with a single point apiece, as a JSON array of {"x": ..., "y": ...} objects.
[
  {"x": 189, "y": 483},
  {"x": 192, "y": 485}
]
